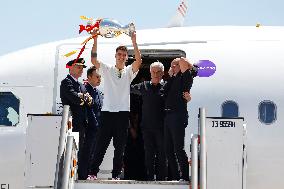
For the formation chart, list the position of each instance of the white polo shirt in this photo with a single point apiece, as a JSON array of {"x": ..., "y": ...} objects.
[{"x": 116, "y": 87}]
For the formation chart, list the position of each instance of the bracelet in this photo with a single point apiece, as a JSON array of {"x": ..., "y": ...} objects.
[{"x": 94, "y": 54}]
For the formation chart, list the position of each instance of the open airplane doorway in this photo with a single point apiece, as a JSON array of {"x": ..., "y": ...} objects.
[
  {"x": 134, "y": 166},
  {"x": 149, "y": 56}
]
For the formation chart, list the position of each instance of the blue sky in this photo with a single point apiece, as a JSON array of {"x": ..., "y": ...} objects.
[{"x": 26, "y": 23}]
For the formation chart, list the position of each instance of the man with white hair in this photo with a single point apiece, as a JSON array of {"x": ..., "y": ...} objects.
[{"x": 152, "y": 122}]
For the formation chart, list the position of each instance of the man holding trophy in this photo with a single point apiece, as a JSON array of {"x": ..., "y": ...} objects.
[{"x": 116, "y": 107}]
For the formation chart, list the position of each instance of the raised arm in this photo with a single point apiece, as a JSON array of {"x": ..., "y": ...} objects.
[
  {"x": 184, "y": 64},
  {"x": 94, "y": 55},
  {"x": 137, "y": 63}
]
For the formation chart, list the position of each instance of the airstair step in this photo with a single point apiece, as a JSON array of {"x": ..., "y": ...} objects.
[{"x": 130, "y": 184}]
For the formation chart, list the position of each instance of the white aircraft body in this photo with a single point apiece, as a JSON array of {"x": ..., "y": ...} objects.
[{"x": 248, "y": 75}]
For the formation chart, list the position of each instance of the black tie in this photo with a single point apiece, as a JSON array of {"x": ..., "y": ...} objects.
[
  {"x": 97, "y": 98},
  {"x": 80, "y": 90}
]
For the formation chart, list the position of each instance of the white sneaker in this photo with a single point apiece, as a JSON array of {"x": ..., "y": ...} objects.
[
  {"x": 116, "y": 178},
  {"x": 92, "y": 177}
]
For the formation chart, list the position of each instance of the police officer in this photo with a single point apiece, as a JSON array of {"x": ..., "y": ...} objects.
[
  {"x": 73, "y": 93},
  {"x": 176, "y": 119}
]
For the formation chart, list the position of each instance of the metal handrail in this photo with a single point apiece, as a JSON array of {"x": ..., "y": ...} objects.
[
  {"x": 203, "y": 166},
  {"x": 67, "y": 163},
  {"x": 61, "y": 145},
  {"x": 194, "y": 162}
]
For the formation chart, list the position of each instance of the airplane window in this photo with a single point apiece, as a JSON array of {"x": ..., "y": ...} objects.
[
  {"x": 267, "y": 113},
  {"x": 230, "y": 109},
  {"x": 9, "y": 109}
]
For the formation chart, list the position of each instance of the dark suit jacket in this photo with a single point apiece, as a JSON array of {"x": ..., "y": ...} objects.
[
  {"x": 69, "y": 90},
  {"x": 174, "y": 89},
  {"x": 94, "y": 111}
]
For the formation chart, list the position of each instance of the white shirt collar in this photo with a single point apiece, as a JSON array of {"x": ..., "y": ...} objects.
[
  {"x": 74, "y": 78},
  {"x": 92, "y": 86},
  {"x": 156, "y": 84}
]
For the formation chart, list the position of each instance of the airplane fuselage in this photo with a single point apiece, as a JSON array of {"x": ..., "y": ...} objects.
[{"x": 249, "y": 75}]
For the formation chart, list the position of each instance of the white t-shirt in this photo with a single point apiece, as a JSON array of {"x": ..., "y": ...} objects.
[{"x": 116, "y": 87}]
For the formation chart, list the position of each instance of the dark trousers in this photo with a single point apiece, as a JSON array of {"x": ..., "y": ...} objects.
[
  {"x": 114, "y": 125},
  {"x": 134, "y": 157},
  {"x": 154, "y": 145},
  {"x": 82, "y": 164},
  {"x": 88, "y": 150},
  {"x": 175, "y": 123}
]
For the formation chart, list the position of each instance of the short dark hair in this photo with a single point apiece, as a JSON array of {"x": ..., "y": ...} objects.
[
  {"x": 122, "y": 48},
  {"x": 91, "y": 70}
]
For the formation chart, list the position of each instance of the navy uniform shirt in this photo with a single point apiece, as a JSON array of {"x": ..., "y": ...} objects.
[{"x": 152, "y": 105}]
